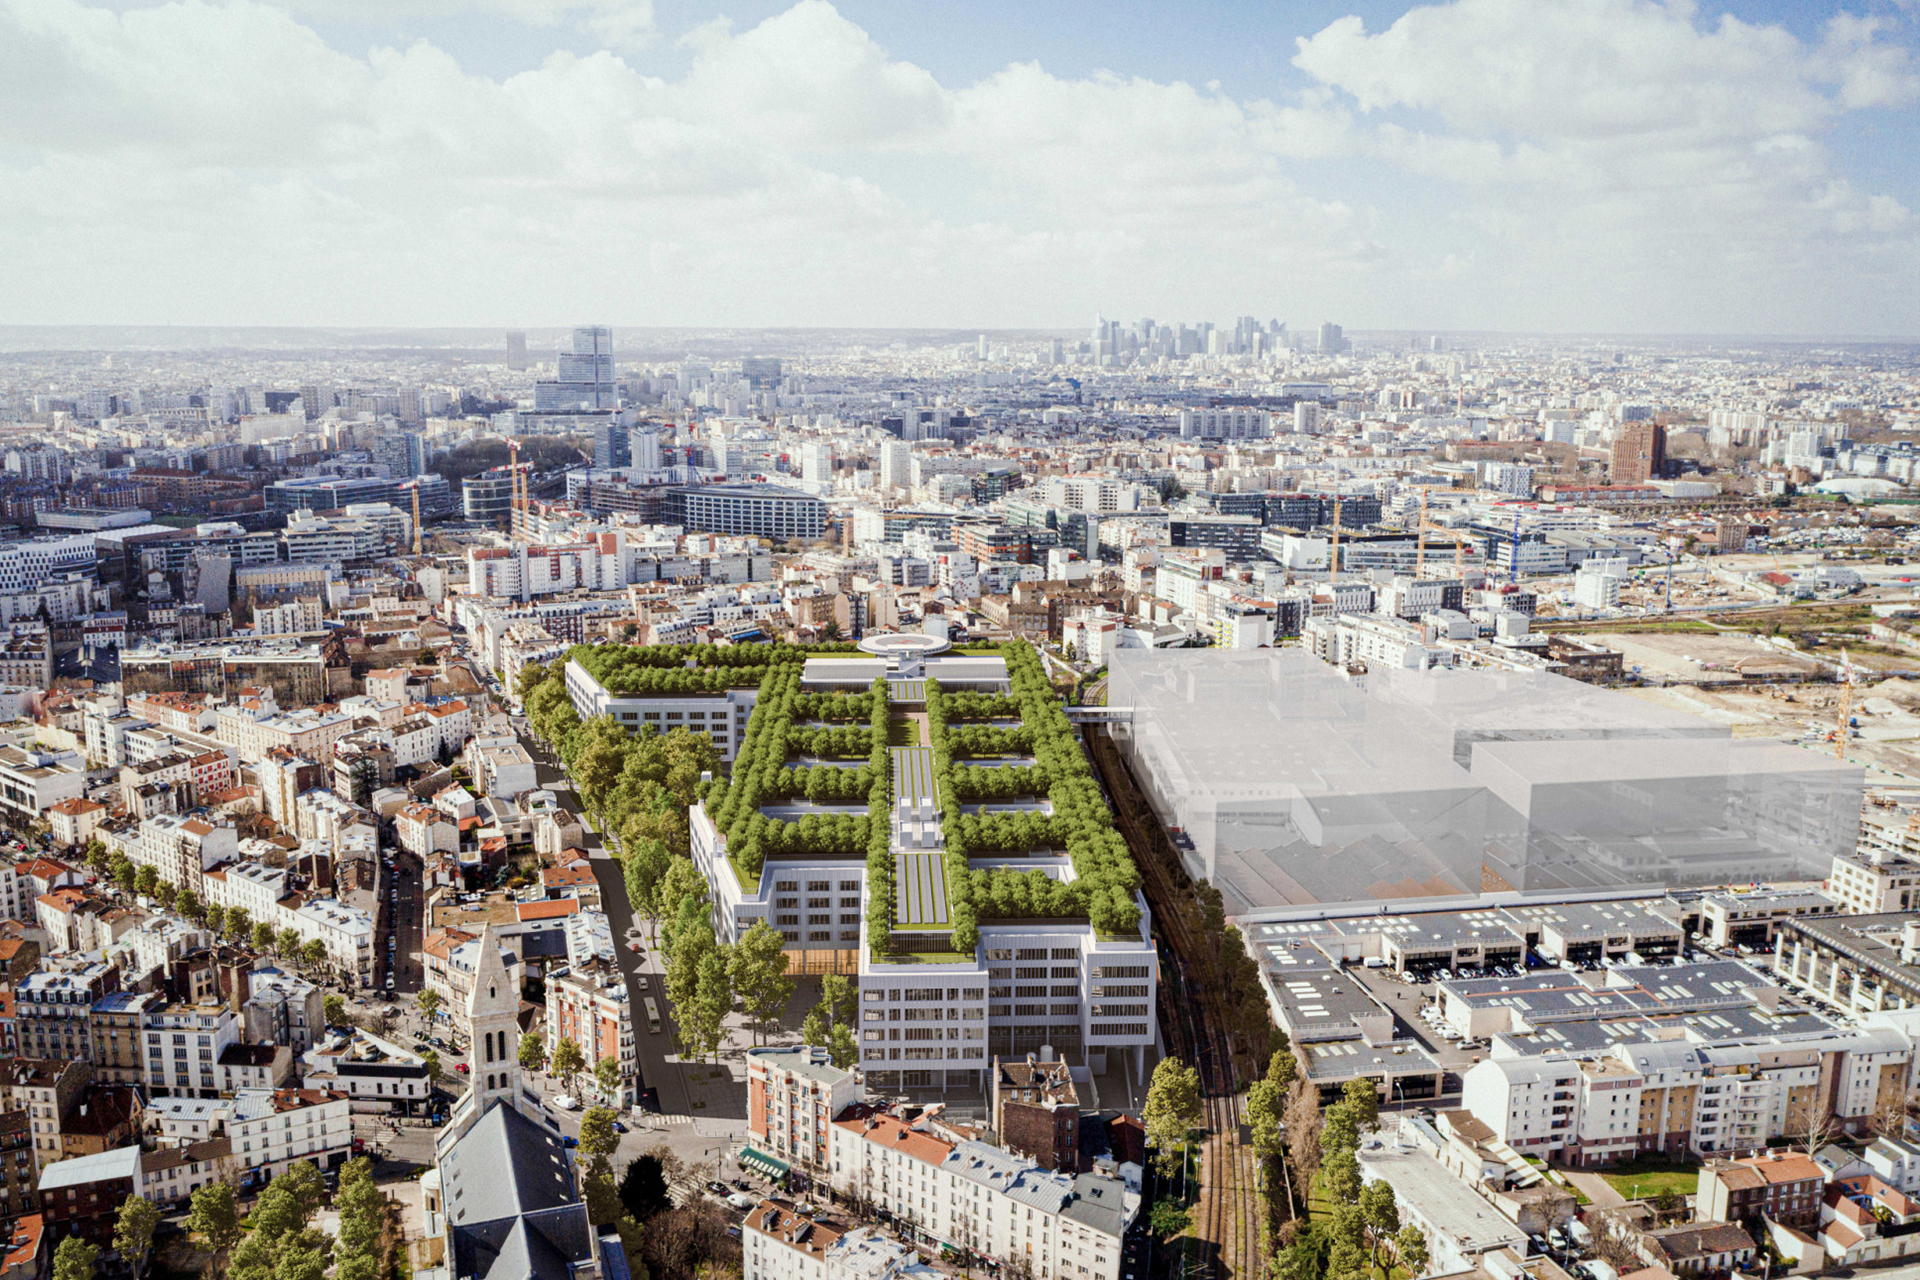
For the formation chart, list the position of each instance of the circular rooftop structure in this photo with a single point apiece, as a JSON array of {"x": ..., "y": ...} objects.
[{"x": 904, "y": 644}]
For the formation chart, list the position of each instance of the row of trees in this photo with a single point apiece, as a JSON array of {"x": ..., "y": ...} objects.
[
  {"x": 760, "y": 775},
  {"x": 638, "y": 790},
  {"x": 841, "y": 742},
  {"x": 832, "y": 1021},
  {"x": 568, "y": 1062},
  {"x": 844, "y": 707},
  {"x": 1355, "y": 1225},
  {"x": 1105, "y": 879},
  {"x": 603, "y": 660},
  {"x": 994, "y": 784},
  {"x": 974, "y": 740}
]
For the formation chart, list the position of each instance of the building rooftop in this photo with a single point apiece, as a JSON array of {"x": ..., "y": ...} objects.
[
  {"x": 809, "y": 1062},
  {"x": 1423, "y": 1184}
]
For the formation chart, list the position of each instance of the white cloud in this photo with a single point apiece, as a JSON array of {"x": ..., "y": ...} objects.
[
  {"x": 1623, "y": 152},
  {"x": 1591, "y": 164}
]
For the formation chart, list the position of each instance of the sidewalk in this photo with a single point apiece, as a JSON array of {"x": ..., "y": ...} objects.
[{"x": 1594, "y": 1187}]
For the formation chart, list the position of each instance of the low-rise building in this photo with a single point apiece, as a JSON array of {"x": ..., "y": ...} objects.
[
  {"x": 82, "y": 1196},
  {"x": 375, "y": 1074}
]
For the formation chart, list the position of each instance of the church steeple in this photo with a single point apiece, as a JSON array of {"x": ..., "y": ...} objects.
[{"x": 493, "y": 1021}]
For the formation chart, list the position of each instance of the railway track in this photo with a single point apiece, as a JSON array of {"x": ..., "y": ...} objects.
[{"x": 1226, "y": 1236}]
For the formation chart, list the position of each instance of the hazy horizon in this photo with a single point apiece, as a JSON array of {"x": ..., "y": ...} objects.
[{"x": 658, "y": 342}]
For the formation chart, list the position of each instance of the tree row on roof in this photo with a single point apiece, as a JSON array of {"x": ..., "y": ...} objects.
[
  {"x": 761, "y": 776},
  {"x": 1105, "y": 882}
]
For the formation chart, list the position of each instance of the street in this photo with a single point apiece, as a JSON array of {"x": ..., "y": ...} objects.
[
  {"x": 650, "y": 1050},
  {"x": 404, "y": 911}
]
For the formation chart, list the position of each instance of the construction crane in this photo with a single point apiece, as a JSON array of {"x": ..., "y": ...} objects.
[
  {"x": 1842, "y": 726},
  {"x": 516, "y": 521},
  {"x": 1420, "y": 540},
  {"x": 1333, "y": 564},
  {"x": 416, "y": 518}
]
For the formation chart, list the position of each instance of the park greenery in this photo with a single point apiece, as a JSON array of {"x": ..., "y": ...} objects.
[
  {"x": 278, "y": 1240},
  {"x": 666, "y": 669}
]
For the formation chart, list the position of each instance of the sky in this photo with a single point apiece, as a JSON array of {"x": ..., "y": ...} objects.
[{"x": 1547, "y": 166}]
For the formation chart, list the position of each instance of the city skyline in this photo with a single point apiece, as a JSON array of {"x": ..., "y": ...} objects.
[{"x": 1617, "y": 168}]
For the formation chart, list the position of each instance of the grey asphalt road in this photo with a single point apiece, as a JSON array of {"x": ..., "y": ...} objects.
[{"x": 650, "y": 1050}]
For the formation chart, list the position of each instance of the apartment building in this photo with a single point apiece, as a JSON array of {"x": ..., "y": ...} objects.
[
  {"x": 1036, "y": 1110},
  {"x": 267, "y": 1129},
  {"x": 182, "y": 848},
  {"x": 184, "y": 1045},
  {"x": 423, "y": 830},
  {"x": 46, "y": 1089},
  {"x": 82, "y": 1197},
  {"x": 52, "y": 1008},
  {"x": 73, "y": 821},
  {"x": 119, "y": 1035},
  {"x": 19, "y": 1171},
  {"x": 309, "y": 732},
  {"x": 32, "y": 782},
  {"x": 793, "y": 1094},
  {"x": 1684, "y": 1093},
  {"x": 284, "y": 1009},
  {"x": 346, "y": 932},
  {"x": 587, "y": 1003},
  {"x": 1881, "y": 875},
  {"x": 967, "y": 1195}
]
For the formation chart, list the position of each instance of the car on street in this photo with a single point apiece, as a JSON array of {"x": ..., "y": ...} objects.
[
  {"x": 569, "y": 1141},
  {"x": 564, "y": 1102},
  {"x": 718, "y": 1188},
  {"x": 461, "y": 1067},
  {"x": 618, "y": 1127},
  {"x": 741, "y": 1201}
]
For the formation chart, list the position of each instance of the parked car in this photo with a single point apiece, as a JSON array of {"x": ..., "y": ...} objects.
[
  {"x": 741, "y": 1201},
  {"x": 461, "y": 1067},
  {"x": 564, "y": 1102},
  {"x": 718, "y": 1188},
  {"x": 569, "y": 1141}
]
